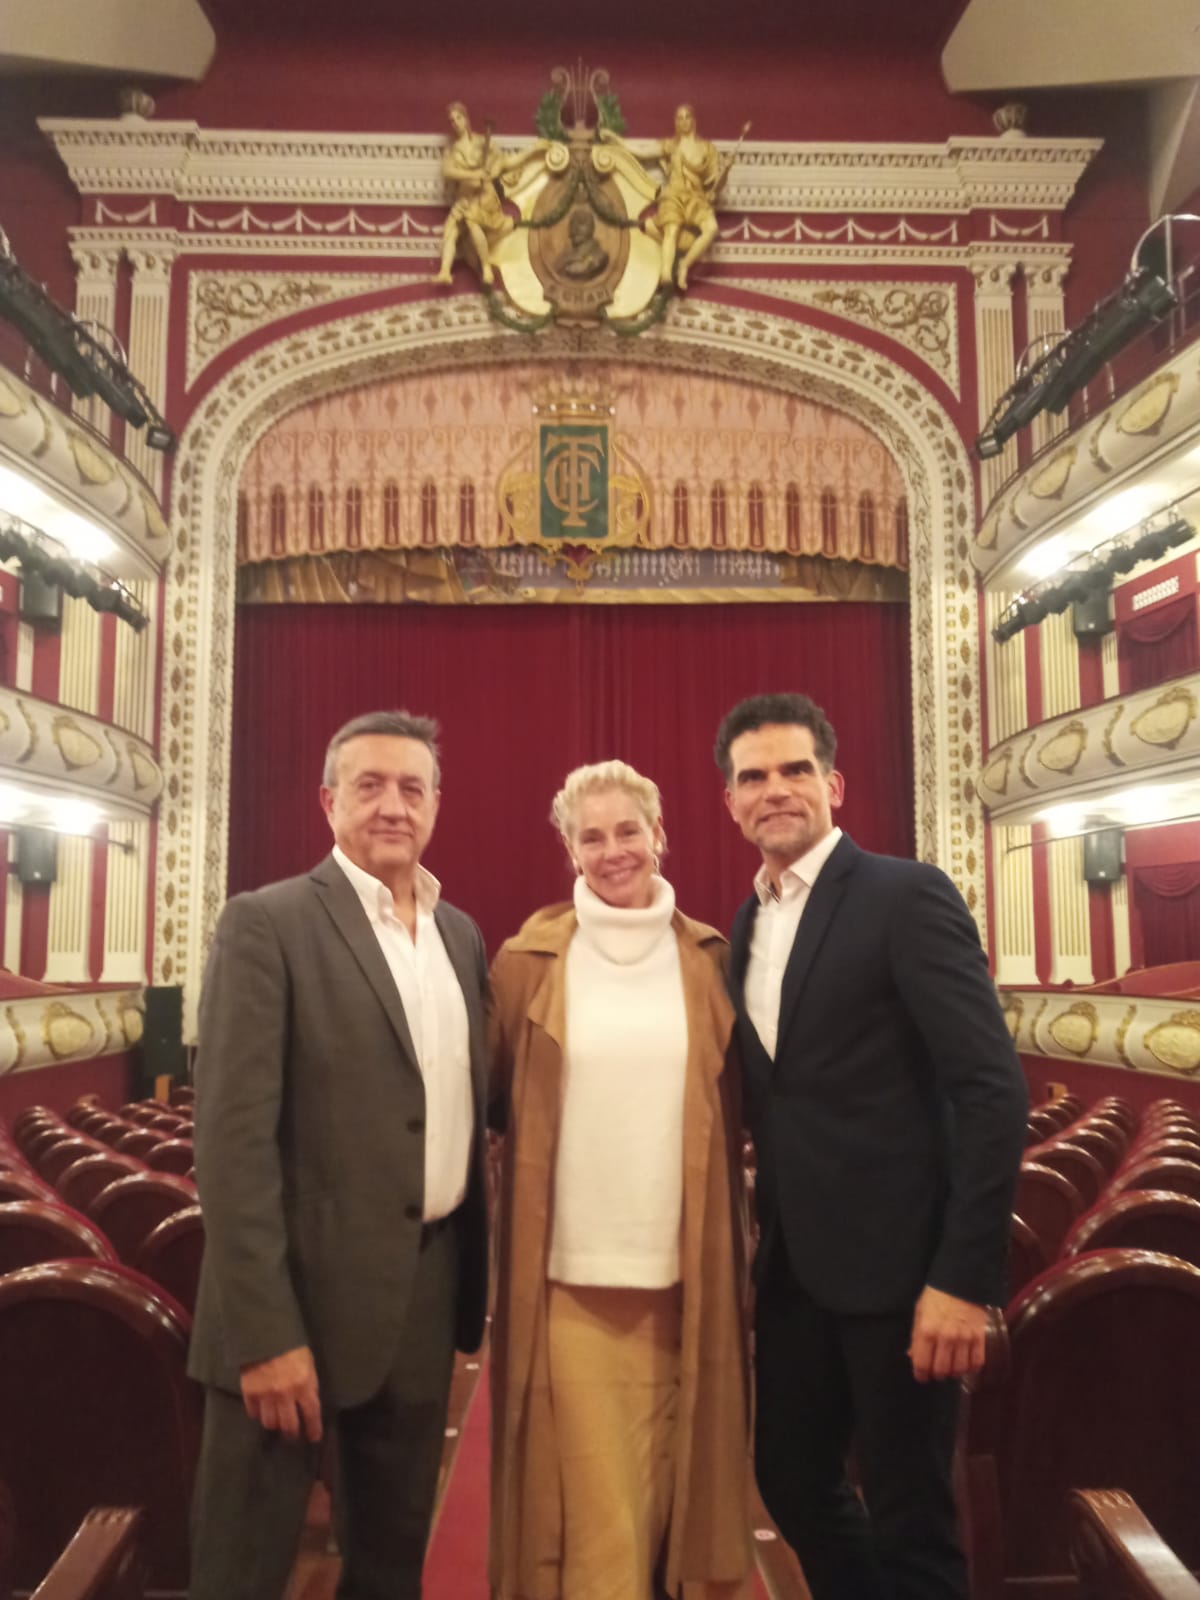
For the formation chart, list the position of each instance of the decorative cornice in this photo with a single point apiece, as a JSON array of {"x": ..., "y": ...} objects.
[
  {"x": 1108, "y": 1030},
  {"x": 1091, "y": 460},
  {"x": 44, "y": 1030},
  {"x": 79, "y": 467},
  {"x": 1085, "y": 753},
  {"x": 77, "y": 754},
  {"x": 187, "y": 162}
]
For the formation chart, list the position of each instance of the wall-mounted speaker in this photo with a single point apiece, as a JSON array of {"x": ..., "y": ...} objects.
[
  {"x": 1103, "y": 855},
  {"x": 162, "y": 1035},
  {"x": 36, "y": 855},
  {"x": 1090, "y": 617},
  {"x": 40, "y": 602}
]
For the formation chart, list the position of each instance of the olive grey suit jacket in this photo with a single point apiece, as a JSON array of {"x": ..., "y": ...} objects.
[{"x": 310, "y": 1139}]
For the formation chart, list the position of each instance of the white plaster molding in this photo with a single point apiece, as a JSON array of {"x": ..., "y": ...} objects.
[
  {"x": 1090, "y": 462},
  {"x": 191, "y": 163},
  {"x": 77, "y": 466},
  {"x": 445, "y": 333},
  {"x": 77, "y": 754},
  {"x": 44, "y": 1030},
  {"x": 1155, "y": 733},
  {"x": 922, "y": 317},
  {"x": 1109, "y": 1030}
]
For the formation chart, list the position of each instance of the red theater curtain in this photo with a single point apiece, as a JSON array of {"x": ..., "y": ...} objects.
[
  {"x": 524, "y": 694},
  {"x": 1168, "y": 907},
  {"x": 1158, "y": 644}
]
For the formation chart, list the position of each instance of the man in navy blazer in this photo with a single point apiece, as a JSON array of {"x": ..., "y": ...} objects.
[{"x": 888, "y": 1111}]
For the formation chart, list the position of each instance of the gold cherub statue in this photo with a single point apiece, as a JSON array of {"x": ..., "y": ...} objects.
[
  {"x": 472, "y": 167},
  {"x": 693, "y": 175}
]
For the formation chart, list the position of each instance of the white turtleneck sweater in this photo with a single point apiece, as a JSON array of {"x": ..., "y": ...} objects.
[{"x": 618, "y": 1197}]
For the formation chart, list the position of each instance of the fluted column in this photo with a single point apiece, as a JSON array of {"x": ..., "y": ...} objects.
[
  {"x": 126, "y": 889},
  {"x": 1070, "y": 923},
  {"x": 1122, "y": 941},
  {"x": 70, "y": 913},
  {"x": 79, "y": 660},
  {"x": 1045, "y": 315},
  {"x": 995, "y": 356},
  {"x": 1012, "y": 880},
  {"x": 95, "y": 301},
  {"x": 148, "y": 326},
  {"x": 1109, "y": 666}
]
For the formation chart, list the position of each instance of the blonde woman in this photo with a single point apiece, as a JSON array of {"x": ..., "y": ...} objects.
[{"x": 619, "y": 1403}]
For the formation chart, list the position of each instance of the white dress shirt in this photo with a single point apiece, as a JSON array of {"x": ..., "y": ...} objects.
[
  {"x": 436, "y": 1013},
  {"x": 775, "y": 928}
]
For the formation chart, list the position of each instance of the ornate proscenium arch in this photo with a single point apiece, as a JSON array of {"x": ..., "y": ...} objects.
[{"x": 455, "y": 333}]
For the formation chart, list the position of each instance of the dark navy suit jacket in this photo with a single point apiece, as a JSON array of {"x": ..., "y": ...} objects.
[{"x": 889, "y": 1128}]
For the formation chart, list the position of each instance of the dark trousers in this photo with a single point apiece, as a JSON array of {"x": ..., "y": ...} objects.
[
  {"x": 252, "y": 1485},
  {"x": 824, "y": 1382}
]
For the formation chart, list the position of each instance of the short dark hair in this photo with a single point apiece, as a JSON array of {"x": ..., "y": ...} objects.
[
  {"x": 397, "y": 725},
  {"x": 763, "y": 709}
]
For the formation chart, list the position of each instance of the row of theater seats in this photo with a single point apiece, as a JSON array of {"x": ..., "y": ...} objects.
[
  {"x": 83, "y": 1187},
  {"x": 1104, "y": 1179},
  {"x": 99, "y": 1258},
  {"x": 1090, "y": 1395}
]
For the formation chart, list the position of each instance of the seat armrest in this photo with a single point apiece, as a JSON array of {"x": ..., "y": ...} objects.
[
  {"x": 101, "y": 1562},
  {"x": 1117, "y": 1553}
]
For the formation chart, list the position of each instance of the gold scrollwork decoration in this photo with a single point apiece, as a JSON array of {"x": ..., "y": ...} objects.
[
  {"x": 1064, "y": 751},
  {"x": 1106, "y": 740},
  {"x": 1022, "y": 763},
  {"x": 1052, "y": 479},
  {"x": 77, "y": 747},
  {"x": 1122, "y": 1034},
  {"x": 221, "y": 305},
  {"x": 64, "y": 1032},
  {"x": 1076, "y": 1029},
  {"x": 1014, "y": 1009},
  {"x": 995, "y": 775},
  {"x": 1034, "y": 1022},
  {"x": 1164, "y": 723},
  {"x": 922, "y": 313},
  {"x": 1148, "y": 408},
  {"x": 1175, "y": 1043},
  {"x": 18, "y": 1033}
]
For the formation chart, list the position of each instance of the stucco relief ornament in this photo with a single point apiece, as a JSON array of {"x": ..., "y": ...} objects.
[{"x": 574, "y": 228}]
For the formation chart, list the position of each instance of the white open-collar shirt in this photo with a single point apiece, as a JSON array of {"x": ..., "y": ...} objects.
[
  {"x": 436, "y": 1013},
  {"x": 775, "y": 927}
]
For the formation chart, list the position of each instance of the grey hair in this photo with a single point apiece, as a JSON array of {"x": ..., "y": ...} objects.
[
  {"x": 599, "y": 777},
  {"x": 396, "y": 725}
]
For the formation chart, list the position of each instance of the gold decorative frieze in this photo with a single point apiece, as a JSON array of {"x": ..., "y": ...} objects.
[
  {"x": 43, "y": 1030},
  {"x": 224, "y": 307},
  {"x": 923, "y": 317},
  {"x": 76, "y": 752},
  {"x": 1110, "y": 1030},
  {"x": 1107, "y": 745},
  {"x": 1092, "y": 460},
  {"x": 80, "y": 469}
]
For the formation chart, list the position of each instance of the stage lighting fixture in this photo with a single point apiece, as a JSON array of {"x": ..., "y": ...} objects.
[
  {"x": 1178, "y": 531},
  {"x": 1056, "y": 600},
  {"x": 1122, "y": 557},
  {"x": 1151, "y": 544},
  {"x": 1142, "y": 300}
]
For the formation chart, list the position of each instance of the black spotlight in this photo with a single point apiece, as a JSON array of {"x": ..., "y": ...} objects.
[{"x": 1141, "y": 301}]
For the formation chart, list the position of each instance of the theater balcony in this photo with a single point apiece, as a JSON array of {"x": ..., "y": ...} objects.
[{"x": 1089, "y": 563}]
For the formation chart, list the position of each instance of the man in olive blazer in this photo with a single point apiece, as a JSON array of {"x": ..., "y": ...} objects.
[{"x": 340, "y": 1160}]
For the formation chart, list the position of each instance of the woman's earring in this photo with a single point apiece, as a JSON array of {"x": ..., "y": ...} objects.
[
  {"x": 578, "y": 867},
  {"x": 656, "y": 861}
]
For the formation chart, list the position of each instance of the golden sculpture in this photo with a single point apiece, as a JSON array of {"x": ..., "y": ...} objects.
[
  {"x": 693, "y": 177},
  {"x": 472, "y": 167}
]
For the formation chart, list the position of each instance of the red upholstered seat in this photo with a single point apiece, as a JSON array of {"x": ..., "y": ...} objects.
[
  {"x": 1140, "y": 1219},
  {"x": 83, "y": 1181},
  {"x": 1093, "y": 1398},
  {"x": 1172, "y": 1145},
  {"x": 1181, "y": 1177},
  {"x": 56, "y": 1158},
  {"x": 40, "y": 1136},
  {"x": 129, "y": 1209},
  {"x": 34, "y": 1230},
  {"x": 18, "y": 1185},
  {"x": 1076, "y": 1164},
  {"x": 138, "y": 1141},
  {"x": 1099, "y": 1142},
  {"x": 173, "y": 1155},
  {"x": 97, "y": 1407},
  {"x": 1048, "y": 1202},
  {"x": 1026, "y": 1256},
  {"x": 172, "y": 1254}
]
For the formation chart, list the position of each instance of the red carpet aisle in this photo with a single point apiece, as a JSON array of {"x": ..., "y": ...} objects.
[{"x": 456, "y": 1567}]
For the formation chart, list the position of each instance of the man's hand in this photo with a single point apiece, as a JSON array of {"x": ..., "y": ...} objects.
[
  {"x": 948, "y": 1336},
  {"x": 282, "y": 1394}
]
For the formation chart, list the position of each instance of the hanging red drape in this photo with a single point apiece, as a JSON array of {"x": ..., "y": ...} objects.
[
  {"x": 525, "y": 694},
  {"x": 1167, "y": 899},
  {"x": 1158, "y": 644}
]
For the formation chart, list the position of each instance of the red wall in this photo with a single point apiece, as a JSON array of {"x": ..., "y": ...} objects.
[
  {"x": 1091, "y": 1082},
  {"x": 111, "y": 1077}
]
